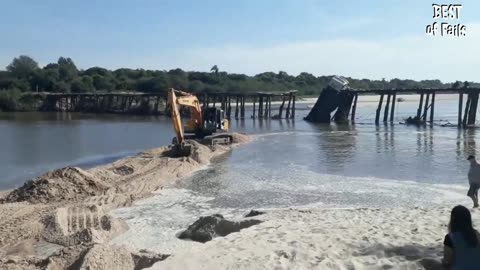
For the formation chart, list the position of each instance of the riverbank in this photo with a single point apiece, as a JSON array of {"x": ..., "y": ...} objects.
[
  {"x": 365, "y": 238},
  {"x": 56, "y": 220}
]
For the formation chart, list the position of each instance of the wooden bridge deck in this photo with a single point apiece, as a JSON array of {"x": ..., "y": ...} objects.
[
  {"x": 155, "y": 103},
  {"x": 467, "y": 110},
  {"x": 416, "y": 91},
  {"x": 234, "y": 103}
]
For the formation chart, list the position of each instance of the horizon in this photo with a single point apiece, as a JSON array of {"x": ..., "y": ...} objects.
[{"x": 372, "y": 40}]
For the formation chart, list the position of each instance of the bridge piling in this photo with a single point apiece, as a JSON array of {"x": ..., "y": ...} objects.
[
  {"x": 260, "y": 106},
  {"x": 394, "y": 101},
  {"x": 293, "y": 105},
  {"x": 420, "y": 105},
  {"x": 432, "y": 109},
  {"x": 354, "y": 108},
  {"x": 473, "y": 109},
  {"x": 387, "y": 108},
  {"x": 379, "y": 108},
  {"x": 242, "y": 111},
  {"x": 280, "y": 110},
  {"x": 287, "y": 115},
  {"x": 425, "y": 108},
  {"x": 460, "y": 108},
  {"x": 467, "y": 109},
  {"x": 254, "y": 104}
]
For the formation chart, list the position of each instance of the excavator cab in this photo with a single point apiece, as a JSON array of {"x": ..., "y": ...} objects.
[
  {"x": 214, "y": 121},
  {"x": 215, "y": 127}
]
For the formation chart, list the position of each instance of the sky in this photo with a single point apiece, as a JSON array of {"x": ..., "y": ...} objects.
[{"x": 371, "y": 39}]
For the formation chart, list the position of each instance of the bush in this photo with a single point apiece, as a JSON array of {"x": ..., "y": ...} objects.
[{"x": 9, "y": 100}]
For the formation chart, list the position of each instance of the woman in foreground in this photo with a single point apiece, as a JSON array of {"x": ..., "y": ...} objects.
[{"x": 462, "y": 243}]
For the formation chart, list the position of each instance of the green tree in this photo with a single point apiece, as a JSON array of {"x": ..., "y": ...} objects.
[
  {"x": 177, "y": 82},
  {"x": 96, "y": 71},
  {"x": 78, "y": 86},
  {"x": 61, "y": 87},
  {"x": 21, "y": 84},
  {"x": 195, "y": 86},
  {"x": 102, "y": 83},
  {"x": 123, "y": 82},
  {"x": 22, "y": 66},
  {"x": 38, "y": 81},
  {"x": 9, "y": 100},
  {"x": 456, "y": 85},
  {"x": 153, "y": 85},
  {"x": 6, "y": 80},
  {"x": 67, "y": 69},
  {"x": 237, "y": 77},
  {"x": 82, "y": 85},
  {"x": 266, "y": 76},
  {"x": 50, "y": 78},
  {"x": 177, "y": 72}
]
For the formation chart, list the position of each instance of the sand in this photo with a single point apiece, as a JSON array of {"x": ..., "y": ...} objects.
[
  {"x": 398, "y": 238},
  {"x": 61, "y": 219}
]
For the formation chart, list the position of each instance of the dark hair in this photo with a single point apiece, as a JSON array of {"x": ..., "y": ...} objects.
[
  {"x": 470, "y": 157},
  {"x": 461, "y": 221}
]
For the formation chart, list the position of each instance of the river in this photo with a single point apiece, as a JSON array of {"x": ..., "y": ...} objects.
[{"x": 289, "y": 163}]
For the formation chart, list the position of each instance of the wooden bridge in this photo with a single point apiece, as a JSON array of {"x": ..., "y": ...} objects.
[
  {"x": 426, "y": 106},
  {"x": 234, "y": 104}
]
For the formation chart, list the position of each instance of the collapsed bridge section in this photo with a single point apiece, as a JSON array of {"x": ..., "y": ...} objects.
[
  {"x": 336, "y": 96},
  {"x": 339, "y": 98}
]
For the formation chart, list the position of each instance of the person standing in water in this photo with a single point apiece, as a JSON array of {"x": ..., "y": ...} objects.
[{"x": 473, "y": 180}]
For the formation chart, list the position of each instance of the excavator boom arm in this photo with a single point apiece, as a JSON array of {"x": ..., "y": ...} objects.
[
  {"x": 176, "y": 119},
  {"x": 188, "y": 100}
]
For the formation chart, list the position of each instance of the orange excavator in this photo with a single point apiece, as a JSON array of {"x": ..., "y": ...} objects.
[{"x": 206, "y": 125}]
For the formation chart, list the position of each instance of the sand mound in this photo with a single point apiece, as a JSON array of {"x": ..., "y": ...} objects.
[
  {"x": 241, "y": 138},
  {"x": 145, "y": 259},
  {"x": 108, "y": 257},
  {"x": 23, "y": 264},
  {"x": 123, "y": 176},
  {"x": 87, "y": 257},
  {"x": 64, "y": 184},
  {"x": 102, "y": 256}
]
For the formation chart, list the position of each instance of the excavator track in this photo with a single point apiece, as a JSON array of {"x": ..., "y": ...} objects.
[{"x": 214, "y": 139}]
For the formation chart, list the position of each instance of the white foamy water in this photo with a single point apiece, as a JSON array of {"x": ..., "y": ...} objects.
[
  {"x": 155, "y": 222},
  {"x": 310, "y": 166}
]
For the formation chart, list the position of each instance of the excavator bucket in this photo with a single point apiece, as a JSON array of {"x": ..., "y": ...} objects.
[{"x": 181, "y": 150}]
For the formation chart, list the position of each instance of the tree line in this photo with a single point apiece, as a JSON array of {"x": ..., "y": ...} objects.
[{"x": 24, "y": 74}]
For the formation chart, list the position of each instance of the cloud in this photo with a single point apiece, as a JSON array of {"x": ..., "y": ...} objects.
[{"x": 415, "y": 57}]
